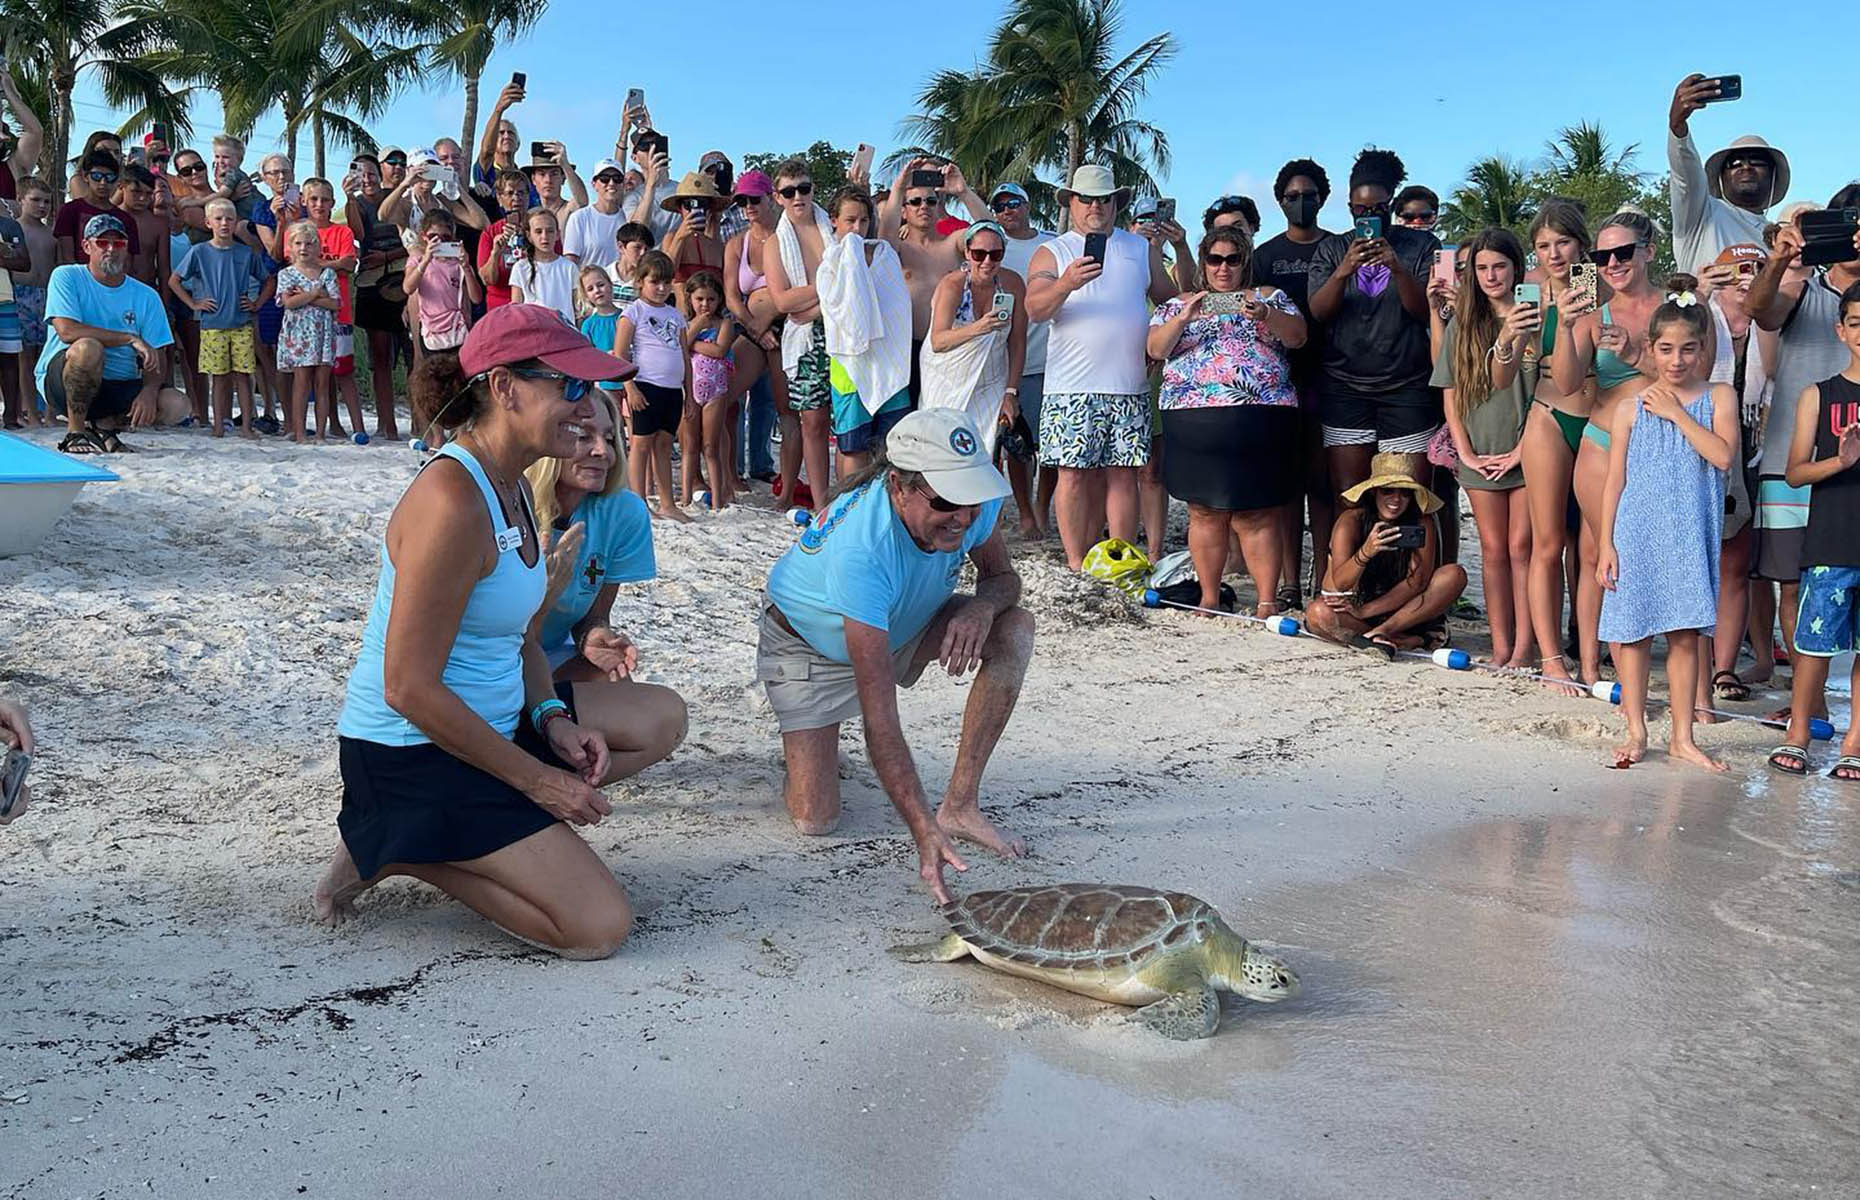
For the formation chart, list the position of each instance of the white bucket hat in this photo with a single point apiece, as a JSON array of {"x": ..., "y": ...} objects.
[
  {"x": 1094, "y": 180},
  {"x": 1779, "y": 178},
  {"x": 942, "y": 446}
]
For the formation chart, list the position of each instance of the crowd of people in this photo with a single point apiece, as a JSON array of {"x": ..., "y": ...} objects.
[{"x": 1643, "y": 457}]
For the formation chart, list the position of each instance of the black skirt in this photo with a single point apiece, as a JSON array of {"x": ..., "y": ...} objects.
[
  {"x": 419, "y": 804},
  {"x": 1237, "y": 459}
]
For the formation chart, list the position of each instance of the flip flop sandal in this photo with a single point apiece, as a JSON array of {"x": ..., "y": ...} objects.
[
  {"x": 1793, "y": 760},
  {"x": 1290, "y": 600},
  {"x": 111, "y": 443},
  {"x": 1849, "y": 764},
  {"x": 1369, "y": 645},
  {"x": 1727, "y": 686},
  {"x": 82, "y": 442}
]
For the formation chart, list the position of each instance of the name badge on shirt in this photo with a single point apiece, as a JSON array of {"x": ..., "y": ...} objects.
[{"x": 509, "y": 539}]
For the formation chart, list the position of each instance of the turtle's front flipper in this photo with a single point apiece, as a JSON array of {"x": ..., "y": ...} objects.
[
  {"x": 1184, "y": 1016},
  {"x": 948, "y": 949}
]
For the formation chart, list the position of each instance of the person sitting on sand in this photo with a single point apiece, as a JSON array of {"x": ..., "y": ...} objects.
[
  {"x": 1386, "y": 588},
  {"x": 594, "y": 663},
  {"x": 461, "y": 764},
  {"x": 866, "y": 599},
  {"x": 105, "y": 353}
]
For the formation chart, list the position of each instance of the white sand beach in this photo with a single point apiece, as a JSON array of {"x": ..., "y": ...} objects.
[{"x": 1524, "y": 975}]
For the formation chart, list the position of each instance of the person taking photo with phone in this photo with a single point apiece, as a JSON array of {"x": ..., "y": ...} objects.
[
  {"x": 1387, "y": 589},
  {"x": 1722, "y": 199},
  {"x": 1096, "y": 283},
  {"x": 977, "y": 350},
  {"x": 1367, "y": 289},
  {"x": 908, "y": 219}
]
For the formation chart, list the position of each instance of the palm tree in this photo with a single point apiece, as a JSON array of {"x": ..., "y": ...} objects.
[
  {"x": 1498, "y": 191},
  {"x": 1051, "y": 94},
  {"x": 55, "y": 42},
  {"x": 1583, "y": 149},
  {"x": 460, "y": 35}
]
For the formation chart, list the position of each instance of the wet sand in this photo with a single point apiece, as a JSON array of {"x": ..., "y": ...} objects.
[{"x": 1525, "y": 975}]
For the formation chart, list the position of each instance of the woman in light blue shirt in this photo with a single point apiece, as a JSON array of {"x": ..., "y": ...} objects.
[
  {"x": 592, "y": 661},
  {"x": 460, "y": 764}
]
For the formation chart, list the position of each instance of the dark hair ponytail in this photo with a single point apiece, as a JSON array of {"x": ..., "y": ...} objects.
[
  {"x": 439, "y": 393},
  {"x": 1684, "y": 305}
]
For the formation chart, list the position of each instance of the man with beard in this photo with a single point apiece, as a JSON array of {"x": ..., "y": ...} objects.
[
  {"x": 1722, "y": 201},
  {"x": 105, "y": 352}
]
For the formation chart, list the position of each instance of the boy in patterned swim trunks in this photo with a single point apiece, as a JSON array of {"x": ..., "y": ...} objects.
[{"x": 222, "y": 282}]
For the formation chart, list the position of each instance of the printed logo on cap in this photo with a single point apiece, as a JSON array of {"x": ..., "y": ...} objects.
[{"x": 962, "y": 442}]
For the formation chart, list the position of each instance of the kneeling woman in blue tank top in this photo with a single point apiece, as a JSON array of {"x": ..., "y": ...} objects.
[{"x": 460, "y": 765}]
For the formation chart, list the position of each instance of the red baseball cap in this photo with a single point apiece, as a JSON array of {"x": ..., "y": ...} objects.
[{"x": 518, "y": 333}]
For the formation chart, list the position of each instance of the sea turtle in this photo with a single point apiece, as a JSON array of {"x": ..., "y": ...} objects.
[{"x": 1165, "y": 951}]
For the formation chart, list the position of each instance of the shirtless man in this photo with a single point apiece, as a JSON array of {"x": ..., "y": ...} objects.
[
  {"x": 927, "y": 256},
  {"x": 135, "y": 195},
  {"x": 804, "y": 341}
]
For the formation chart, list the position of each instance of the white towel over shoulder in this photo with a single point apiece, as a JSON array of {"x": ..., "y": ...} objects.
[
  {"x": 971, "y": 377},
  {"x": 796, "y": 336},
  {"x": 867, "y": 308}
]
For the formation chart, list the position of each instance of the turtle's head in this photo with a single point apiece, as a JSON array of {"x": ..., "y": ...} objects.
[{"x": 1262, "y": 977}]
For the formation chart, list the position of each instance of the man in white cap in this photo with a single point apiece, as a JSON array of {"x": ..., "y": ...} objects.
[
  {"x": 1722, "y": 201},
  {"x": 867, "y": 599},
  {"x": 1095, "y": 415},
  {"x": 588, "y": 237}
]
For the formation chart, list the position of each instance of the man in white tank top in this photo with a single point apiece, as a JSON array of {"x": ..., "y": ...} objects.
[{"x": 1095, "y": 415}]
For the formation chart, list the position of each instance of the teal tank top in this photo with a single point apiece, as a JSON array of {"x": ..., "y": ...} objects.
[
  {"x": 485, "y": 667},
  {"x": 1610, "y": 371}
]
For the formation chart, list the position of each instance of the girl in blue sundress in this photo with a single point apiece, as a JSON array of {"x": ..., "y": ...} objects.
[{"x": 1662, "y": 515}]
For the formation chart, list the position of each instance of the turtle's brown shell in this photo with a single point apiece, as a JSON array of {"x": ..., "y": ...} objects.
[{"x": 1072, "y": 926}]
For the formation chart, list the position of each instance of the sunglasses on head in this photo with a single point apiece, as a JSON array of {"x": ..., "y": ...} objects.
[
  {"x": 938, "y": 503},
  {"x": 1008, "y": 203},
  {"x": 1620, "y": 254},
  {"x": 1225, "y": 260},
  {"x": 804, "y": 188},
  {"x": 102, "y": 176},
  {"x": 572, "y": 389},
  {"x": 979, "y": 255}
]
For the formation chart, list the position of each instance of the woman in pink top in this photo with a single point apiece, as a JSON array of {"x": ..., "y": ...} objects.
[
  {"x": 758, "y": 328},
  {"x": 436, "y": 274}
]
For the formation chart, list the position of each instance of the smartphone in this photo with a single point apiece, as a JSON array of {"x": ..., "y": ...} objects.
[
  {"x": 1165, "y": 210},
  {"x": 539, "y": 151},
  {"x": 1004, "y": 306},
  {"x": 440, "y": 176},
  {"x": 519, "y": 80},
  {"x": 1828, "y": 236},
  {"x": 1217, "y": 304},
  {"x": 1582, "y": 285},
  {"x": 1730, "y": 87},
  {"x": 13, "y": 779},
  {"x": 635, "y": 100},
  {"x": 862, "y": 161},
  {"x": 293, "y": 194},
  {"x": 696, "y": 206},
  {"x": 1529, "y": 293},
  {"x": 1094, "y": 246},
  {"x": 449, "y": 250},
  {"x": 927, "y": 179},
  {"x": 161, "y": 132},
  {"x": 1443, "y": 264},
  {"x": 1410, "y": 537},
  {"x": 1368, "y": 228}
]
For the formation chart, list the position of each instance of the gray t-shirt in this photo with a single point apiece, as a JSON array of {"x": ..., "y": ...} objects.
[
  {"x": 1807, "y": 351},
  {"x": 227, "y": 275}
]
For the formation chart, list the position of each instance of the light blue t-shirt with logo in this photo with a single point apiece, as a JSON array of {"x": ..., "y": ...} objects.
[
  {"x": 130, "y": 307},
  {"x": 857, "y": 561},
  {"x": 617, "y": 549}
]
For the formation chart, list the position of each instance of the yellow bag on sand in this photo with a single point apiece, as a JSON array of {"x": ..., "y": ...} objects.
[{"x": 1119, "y": 564}]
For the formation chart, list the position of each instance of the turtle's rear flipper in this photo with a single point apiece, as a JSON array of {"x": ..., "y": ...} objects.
[
  {"x": 1184, "y": 1016},
  {"x": 948, "y": 949}
]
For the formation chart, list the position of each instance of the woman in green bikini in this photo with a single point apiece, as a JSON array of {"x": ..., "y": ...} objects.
[
  {"x": 1607, "y": 347},
  {"x": 1554, "y": 428}
]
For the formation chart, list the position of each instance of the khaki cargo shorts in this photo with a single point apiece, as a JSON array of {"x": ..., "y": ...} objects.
[{"x": 807, "y": 689}]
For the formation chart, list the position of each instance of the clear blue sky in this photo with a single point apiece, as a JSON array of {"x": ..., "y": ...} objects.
[{"x": 1242, "y": 96}]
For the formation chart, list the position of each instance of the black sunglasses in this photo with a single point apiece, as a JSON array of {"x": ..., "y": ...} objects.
[
  {"x": 796, "y": 189},
  {"x": 196, "y": 169},
  {"x": 941, "y": 505},
  {"x": 748, "y": 201},
  {"x": 1300, "y": 196},
  {"x": 1428, "y": 215},
  {"x": 395, "y": 160},
  {"x": 1008, "y": 203},
  {"x": 101, "y": 176},
  {"x": 1229, "y": 204},
  {"x": 986, "y": 255},
  {"x": 1225, "y": 260},
  {"x": 919, "y": 201},
  {"x": 1368, "y": 210},
  {"x": 1620, "y": 254}
]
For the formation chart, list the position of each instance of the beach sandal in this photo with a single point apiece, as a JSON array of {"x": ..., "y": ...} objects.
[
  {"x": 1290, "y": 599},
  {"x": 1793, "y": 760},
  {"x": 111, "y": 443},
  {"x": 85, "y": 441},
  {"x": 1369, "y": 645},
  {"x": 1727, "y": 686},
  {"x": 1465, "y": 610},
  {"x": 1846, "y": 768}
]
